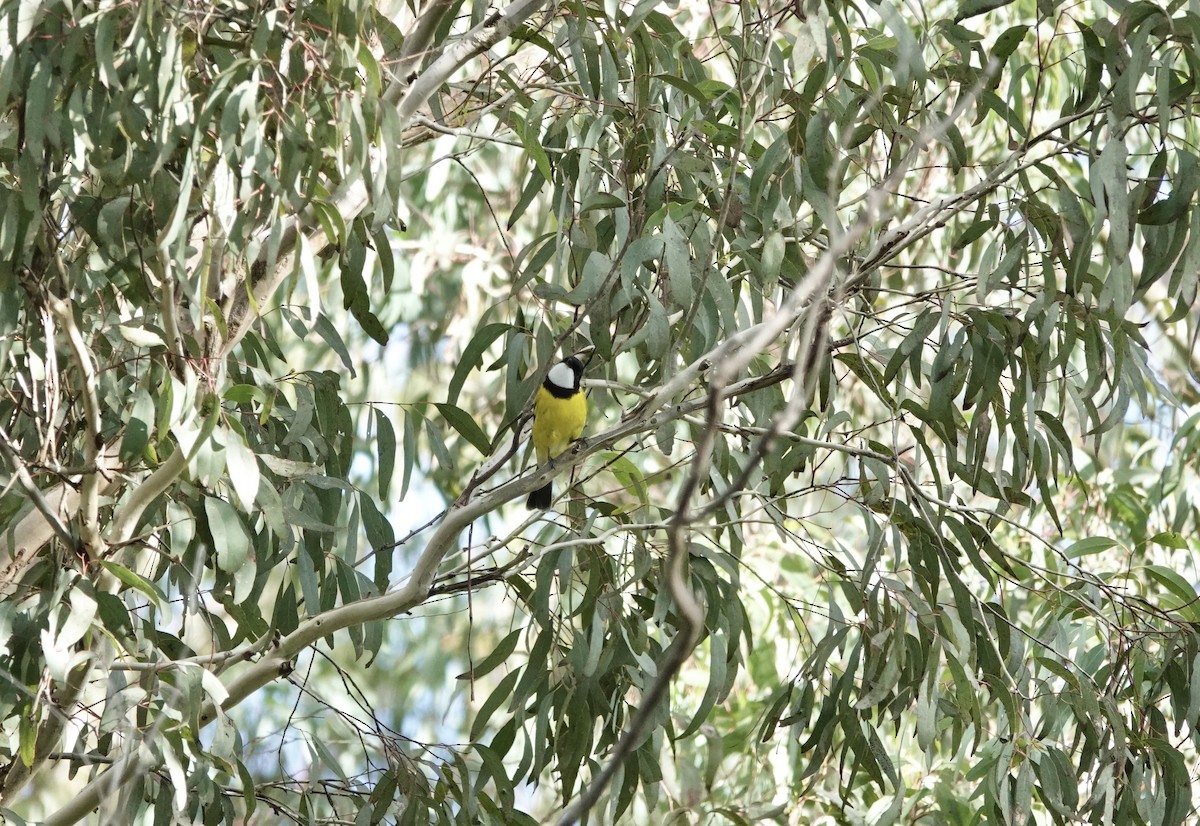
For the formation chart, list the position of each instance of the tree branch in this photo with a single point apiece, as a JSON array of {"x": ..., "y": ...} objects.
[
  {"x": 409, "y": 595},
  {"x": 491, "y": 31},
  {"x": 34, "y": 493},
  {"x": 416, "y": 46},
  {"x": 133, "y": 763},
  {"x": 30, "y": 531},
  {"x": 18, "y": 774},
  {"x": 145, "y": 493}
]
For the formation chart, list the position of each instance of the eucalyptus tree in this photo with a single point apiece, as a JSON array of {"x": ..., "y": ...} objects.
[{"x": 886, "y": 508}]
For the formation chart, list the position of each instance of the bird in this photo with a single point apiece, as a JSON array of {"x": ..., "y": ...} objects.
[{"x": 559, "y": 414}]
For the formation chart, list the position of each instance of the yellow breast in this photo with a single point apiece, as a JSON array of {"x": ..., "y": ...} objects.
[{"x": 557, "y": 422}]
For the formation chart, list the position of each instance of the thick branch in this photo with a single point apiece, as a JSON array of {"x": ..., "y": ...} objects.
[
  {"x": 145, "y": 493},
  {"x": 479, "y": 39},
  {"x": 413, "y": 592},
  {"x": 416, "y": 45},
  {"x": 133, "y": 763}
]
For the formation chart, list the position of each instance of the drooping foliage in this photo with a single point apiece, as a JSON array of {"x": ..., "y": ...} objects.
[{"x": 887, "y": 503}]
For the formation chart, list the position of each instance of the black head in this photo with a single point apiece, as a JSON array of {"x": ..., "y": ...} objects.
[
  {"x": 576, "y": 367},
  {"x": 565, "y": 379}
]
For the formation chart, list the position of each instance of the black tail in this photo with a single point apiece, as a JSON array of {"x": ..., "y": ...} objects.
[{"x": 539, "y": 500}]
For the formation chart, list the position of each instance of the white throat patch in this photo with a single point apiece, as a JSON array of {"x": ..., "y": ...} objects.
[{"x": 562, "y": 376}]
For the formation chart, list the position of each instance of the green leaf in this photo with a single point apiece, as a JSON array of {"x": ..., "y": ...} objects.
[
  {"x": 138, "y": 427},
  {"x": 532, "y": 187},
  {"x": 437, "y": 445},
  {"x": 409, "y": 449},
  {"x": 530, "y": 135},
  {"x": 113, "y": 615},
  {"x": 628, "y": 475},
  {"x": 765, "y": 166},
  {"x": 817, "y": 155},
  {"x": 602, "y": 201},
  {"x": 244, "y": 475},
  {"x": 498, "y": 655},
  {"x": 325, "y": 329},
  {"x": 493, "y": 769},
  {"x": 1170, "y": 539},
  {"x": 493, "y": 702},
  {"x": 1180, "y": 595},
  {"x": 331, "y": 221},
  {"x": 596, "y": 271},
  {"x": 472, "y": 357},
  {"x": 909, "y": 64},
  {"x": 462, "y": 422},
  {"x": 684, "y": 86},
  {"x": 1109, "y": 180},
  {"x": 1091, "y": 545},
  {"x": 135, "y": 581},
  {"x": 678, "y": 261},
  {"x": 356, "y": 297},
  {"x": 230, "y": 542},
  {"x": 378, "y": 528},
  {"x": 1006, "y": 44},
  {"x": 385, "y": 451},
  {"x": 716, "y": 683},
  {"x": 972, "y": 233},
  {"x": 1183, "y": 190},
  {"x": 912, "y": 344},
  {"x": 869, "y": 375},
  {"x": 27, "y": 733},
  {"x": 972, "y": 8}
]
